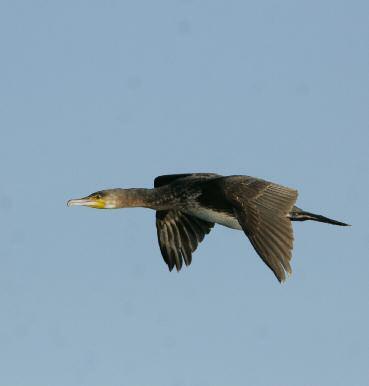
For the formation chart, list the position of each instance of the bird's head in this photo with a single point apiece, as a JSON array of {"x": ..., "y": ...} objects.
[{"x": 103, "y": 199}]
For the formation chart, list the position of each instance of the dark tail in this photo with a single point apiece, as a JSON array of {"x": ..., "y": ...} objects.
[{"x": 298, "y": 214}]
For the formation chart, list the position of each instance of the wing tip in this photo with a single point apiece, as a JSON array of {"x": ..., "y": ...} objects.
[{"x": 286, "y": 275}]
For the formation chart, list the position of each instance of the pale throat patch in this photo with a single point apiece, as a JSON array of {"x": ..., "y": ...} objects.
[{"x": 110, "y": 205}]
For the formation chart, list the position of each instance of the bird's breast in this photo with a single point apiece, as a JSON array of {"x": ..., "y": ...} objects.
[{"x": 223, "y": 218}]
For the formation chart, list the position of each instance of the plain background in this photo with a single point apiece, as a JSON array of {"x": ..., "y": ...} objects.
[{"x": 99, "y": 94}]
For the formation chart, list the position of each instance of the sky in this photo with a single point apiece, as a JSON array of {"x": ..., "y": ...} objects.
[{"x": 102, "y": 94}]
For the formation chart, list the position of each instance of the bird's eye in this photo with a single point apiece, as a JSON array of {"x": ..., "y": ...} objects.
[{"x": 98, "y": 196}]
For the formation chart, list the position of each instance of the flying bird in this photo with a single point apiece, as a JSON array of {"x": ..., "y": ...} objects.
[{"x": 188, "y": 205}]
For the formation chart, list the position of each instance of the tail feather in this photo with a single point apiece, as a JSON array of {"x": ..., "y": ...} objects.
[{"x": 298, "y": 214}]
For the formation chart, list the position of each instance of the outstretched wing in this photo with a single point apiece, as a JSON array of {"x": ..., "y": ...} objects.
[
  {"x": 179, "y": 235},
  {"x": 262, "y": 209}
]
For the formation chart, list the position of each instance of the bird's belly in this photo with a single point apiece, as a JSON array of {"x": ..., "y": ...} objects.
[{"x": 221, "y": 218}]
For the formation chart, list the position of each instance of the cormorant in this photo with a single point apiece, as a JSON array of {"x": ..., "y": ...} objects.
[{"x": 188, "y": 205}]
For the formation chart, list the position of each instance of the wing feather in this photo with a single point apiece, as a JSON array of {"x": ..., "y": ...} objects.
[
  {"x": 262, "y": 209},
  {"x": 179, "y": 235}
]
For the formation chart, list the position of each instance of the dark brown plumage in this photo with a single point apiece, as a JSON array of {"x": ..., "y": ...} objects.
[{"x": 188, "y": 205}]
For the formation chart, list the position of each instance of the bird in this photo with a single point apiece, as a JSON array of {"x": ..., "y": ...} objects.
[{"x": 189, "y": 205}]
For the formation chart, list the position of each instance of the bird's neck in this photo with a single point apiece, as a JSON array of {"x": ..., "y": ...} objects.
[{"x": 145, "y": 198}]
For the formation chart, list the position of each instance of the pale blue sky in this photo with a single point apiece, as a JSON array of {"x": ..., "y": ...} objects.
[{"x": 98, "y": 94}]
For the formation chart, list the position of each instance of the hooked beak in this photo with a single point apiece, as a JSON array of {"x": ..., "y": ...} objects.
[{"x": 87, "y": 201}]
